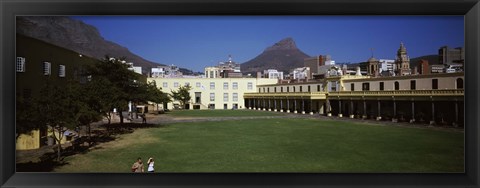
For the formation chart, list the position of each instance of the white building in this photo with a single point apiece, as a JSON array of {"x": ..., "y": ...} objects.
[
  {"x": 168, "y": 71},
  {"x": 301, "y": 73},
  {"x": 273, "y": 74},
  {"x": 387, "y": 65},
  {"x": 212, "y": 93},
  {"x": 228, "y": 69}
]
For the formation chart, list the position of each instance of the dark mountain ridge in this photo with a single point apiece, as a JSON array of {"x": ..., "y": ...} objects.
[
  {"x": 283, "y": 56},
  {"x": 77, "y": 36}
]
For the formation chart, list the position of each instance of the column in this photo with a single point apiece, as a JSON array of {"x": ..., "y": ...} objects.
[
  {"x": 413, "y": 112},
  {"x": 364, "y": 109},
  {"x": 352, "y": 113},
  {"x": 320, "y": 107},
  {"x": 269, "y": 106},
  {"x": 327, "y": 106},
  {"x": 264, "y": 104},
  {"x": 281, "y": 105},
  {"x": 311, "y": 107},
  {"x": 275, "y": 105},
  {"x": 394, "y": 118},
  {"x": 303, "y": 106},
  {"x": 295, "y": 106},
  {"x": 379, "y": 116},
  {"x": 432, "y": 121},
  {"x": 340, "y": 108},
  {"x": 288, "y": 106},
  {"x": 456, "y": 111}
]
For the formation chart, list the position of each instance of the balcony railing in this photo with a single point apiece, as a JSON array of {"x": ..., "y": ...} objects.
[
  {"x": 321, "y": 95},
  {"x": 436, "y": 92}
]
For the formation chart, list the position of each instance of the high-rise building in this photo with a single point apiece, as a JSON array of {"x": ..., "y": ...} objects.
[{"x": 449, "y": 56}]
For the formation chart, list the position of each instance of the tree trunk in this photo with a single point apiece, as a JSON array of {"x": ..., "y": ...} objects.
[
  {"x": 109, "y": 117},
  {"x": 120, "y": 113},
  {"x": 58, "y": 139}
]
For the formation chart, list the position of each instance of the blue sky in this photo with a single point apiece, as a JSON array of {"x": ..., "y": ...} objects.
[{"x": 195, "y": 42}]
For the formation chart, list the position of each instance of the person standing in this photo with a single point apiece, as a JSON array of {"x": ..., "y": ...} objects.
[
  {"x": 144, "y": 119},
  {"x": 138, "y": 166},
  {"x": 151, "y": 165}
]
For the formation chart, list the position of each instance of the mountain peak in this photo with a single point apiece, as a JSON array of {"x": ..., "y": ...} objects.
[{"x": 284, "y": 44}]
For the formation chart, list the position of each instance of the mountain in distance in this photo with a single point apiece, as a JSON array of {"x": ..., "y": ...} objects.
[
  {"x": 77, "y": 36},
  {"x": 283, "y": 56},
  {"x": 432, "y": 60}
]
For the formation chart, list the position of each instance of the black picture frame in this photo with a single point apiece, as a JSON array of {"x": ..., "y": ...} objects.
[{"x": 9, "y": 9}]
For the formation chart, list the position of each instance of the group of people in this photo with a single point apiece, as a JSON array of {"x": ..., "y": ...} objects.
[{"x": 138, "y": 165}]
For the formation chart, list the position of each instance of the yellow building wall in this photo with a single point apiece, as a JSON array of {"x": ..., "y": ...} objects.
[
  {"x": 28, "y": 141},
  {"x": 202, "y": 86}
]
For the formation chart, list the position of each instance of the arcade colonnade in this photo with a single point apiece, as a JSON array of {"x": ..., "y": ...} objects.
[{"x": 431, "y": 107}]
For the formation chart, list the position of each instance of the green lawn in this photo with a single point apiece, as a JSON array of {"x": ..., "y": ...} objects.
[
  {"x": 279, "y": 145},
  {"x": 222, "y": 113}
]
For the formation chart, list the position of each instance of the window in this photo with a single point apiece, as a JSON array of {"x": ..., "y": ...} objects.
[
  {"x": 249, "y": 86},
  {"x": 382, "y": 87},
  {"x": 187, "y": 83},
  {"x": 318, "y": 88},
  {"x": 397, "y": 86},
  {"x": 47, "y": 69},
  {"x": 175, "y": 84},
  {"x": 301, "y": 88},
  {"x": 235, "y": 97},
  {"x": 225, "y": 97},
  {"x": 294, "y": 89},
  {"x": 212, "y": 96},
  {"x": 281, "y": 89},
  {"x": 20, "y": 64},
  {"x": 268, "y": 90},
  {"x": 212, "y": 85},
  {"x": 198, "y": 85},
  {"x": 308, "y": 89},
  {"x": 365, "y": 86},
  {"x": 352, "y": 87},
  {"x": 434, "y": 83},
  {"x": 459, "y": 83},
  {"x": 165, "y": 84},
  {"x": 61, "y": 71},
  {"x": 413, "y": 84},
  {"x": 275, "y": 89},
  {"x": 225, "y": 85},
  {"x": 235, "y": 85},
  {"x": 288, "y": 89}
]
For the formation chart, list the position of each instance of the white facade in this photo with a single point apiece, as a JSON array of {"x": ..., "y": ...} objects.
[
  {"x": 169, "y": 71},
  {"x": 387, "y": 65},
  {"x": 273, "y": 74},
  {"x": 213, "y": 93},
  {"x": 212, "y": 72},
  {"x": 301, "y": 73}
]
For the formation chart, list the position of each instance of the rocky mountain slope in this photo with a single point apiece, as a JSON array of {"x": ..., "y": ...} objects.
[
  {"x": 77, "y": 36},
  {"x": 283, "y": 56}
]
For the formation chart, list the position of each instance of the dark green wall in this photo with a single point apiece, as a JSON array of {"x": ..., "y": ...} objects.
[{"x": 35, "y": 53}]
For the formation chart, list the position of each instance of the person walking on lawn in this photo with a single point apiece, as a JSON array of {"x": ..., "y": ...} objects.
[
  {"x": 151, "y": 165},
  {"x": 138, "y": 166}
]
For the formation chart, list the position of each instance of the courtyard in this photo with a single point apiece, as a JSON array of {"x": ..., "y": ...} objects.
[{"x": 262, "y": 141}]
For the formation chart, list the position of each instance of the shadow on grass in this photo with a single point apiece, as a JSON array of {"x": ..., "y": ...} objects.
[{"x": 105, "y": 133}]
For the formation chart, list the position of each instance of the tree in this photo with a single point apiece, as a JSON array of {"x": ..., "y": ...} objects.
[
  {"x": 26, "y": 115},
  {"x": 182, "y": 95},
  {"x": 155, "y": 95},
  {"x": 124, "y": 81},
  {"x": 60, "y": 108}
]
